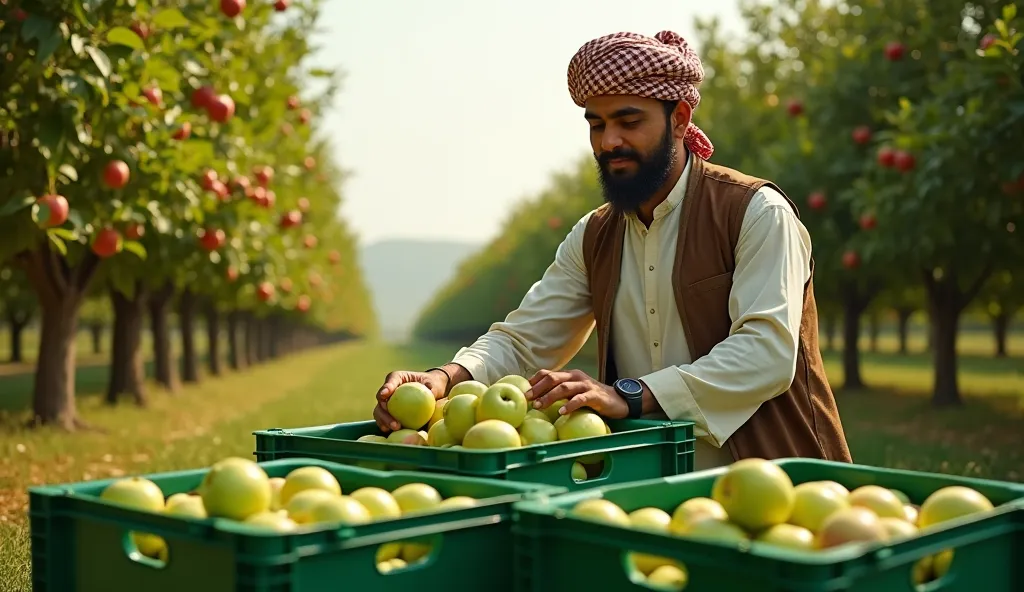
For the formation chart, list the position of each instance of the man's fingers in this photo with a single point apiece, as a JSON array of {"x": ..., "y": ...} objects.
[
  {"x": 385, "y": 422},
  {"x": 565, "y": 390},
  {"x": 545, "y": 384},
  {"x": 580, "y": 400},
  {"x": 392, "y": 381}
]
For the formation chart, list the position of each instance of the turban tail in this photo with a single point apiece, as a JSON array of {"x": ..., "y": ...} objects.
[{"x": 663, "y": 67}]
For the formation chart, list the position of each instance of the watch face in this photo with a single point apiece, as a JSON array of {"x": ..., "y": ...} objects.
[{"x": 630, "y": 386}]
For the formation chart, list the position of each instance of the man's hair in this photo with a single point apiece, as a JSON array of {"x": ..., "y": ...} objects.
[{"x": 669, "y": 107}]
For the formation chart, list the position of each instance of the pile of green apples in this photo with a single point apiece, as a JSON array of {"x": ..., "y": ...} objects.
[
  {"x": 480, "y": 417},
  {"x": 239, "y": 489},
  {"x": 755, "y": 501}
]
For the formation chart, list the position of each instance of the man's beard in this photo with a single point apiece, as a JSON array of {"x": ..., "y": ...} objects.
[{"x": 627, "y": 191}]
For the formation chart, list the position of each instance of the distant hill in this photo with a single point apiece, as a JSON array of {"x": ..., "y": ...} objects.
[{"x": 404, "y": 274}]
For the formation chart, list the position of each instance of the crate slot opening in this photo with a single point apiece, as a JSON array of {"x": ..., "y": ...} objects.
[
  {"x": 592, "y": 467},
  {"x": 655, "y": 573},
  {"x": 399, "y": 556},
  {"x": 932, "y": 572},
  {"x": 146, "y": 549}
]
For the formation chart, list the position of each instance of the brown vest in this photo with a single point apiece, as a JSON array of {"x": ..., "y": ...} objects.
[{"x": 801, "y": 422}]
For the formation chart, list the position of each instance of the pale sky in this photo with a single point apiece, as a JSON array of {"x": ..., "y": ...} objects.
[{"x": 452, "y": 111}]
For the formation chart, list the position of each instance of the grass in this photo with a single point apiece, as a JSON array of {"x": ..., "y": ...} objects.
[{"x": 890, "y": 425}]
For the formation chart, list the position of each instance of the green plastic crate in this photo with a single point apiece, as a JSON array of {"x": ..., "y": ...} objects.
[
  {"x": 636, "y": 449},
  {"x": 558, "y": 552},
  {"x": 81, "y": 544}
]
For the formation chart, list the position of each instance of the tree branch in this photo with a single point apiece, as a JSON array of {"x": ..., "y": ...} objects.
[
  {"x": 85, "y": 270},
  {"x": 979, "y": 282},
  {"x": 51, "y": 264}
]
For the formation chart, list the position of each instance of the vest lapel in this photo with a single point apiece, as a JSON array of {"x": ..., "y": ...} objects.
[{"x": 693, "y": 194}]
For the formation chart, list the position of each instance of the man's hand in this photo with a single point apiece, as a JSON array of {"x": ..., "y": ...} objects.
[
  {"x": 580, "y": 390},
  {"x": 436, "y": 381}
]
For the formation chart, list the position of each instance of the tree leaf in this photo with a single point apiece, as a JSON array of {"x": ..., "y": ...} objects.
[
  {"x": 36, "y": 27},
  {"x": 77, "y": 44},
  {"x": 125, "y": 36},
  {"x": 65, "y": 233},
  {"x": 57, "y": 242},
  {"x": 68, "y": 171},
  {"x": 14, "y": 205},
  {"x": 48, "y": 45},
  {"x": 100, "y": 59},
  {"x": 1009, "y": 12},
  {"x": 136, "y": 248},
  {"x": 50, "y": 136},
  {"x": 170, "y": 18}
]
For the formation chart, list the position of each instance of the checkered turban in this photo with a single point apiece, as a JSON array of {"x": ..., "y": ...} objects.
[{"x": 663, "y": 67}]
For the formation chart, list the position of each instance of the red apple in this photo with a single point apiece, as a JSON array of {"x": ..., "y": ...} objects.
[
  {"x": 106, "y": 243},
  {"x": 291, "y": 219},
  {"x": 334, "y": 257},
  {"x": 259, "y": 196},
  {"x": 286, "y": 285},
  {"x": 232, "y": 273},
  {"x": 287, "y": 129},
  {"x": 221, "y": 190},
  {"x": 886, "y": 157},
  {"x": 265, "y": 291},
  {"x": 868, "y": 221},
  {"x": 315, "y": 279},
  {"x": 232, "y": 8},
  {"x": 211, "y": 239},
  {"x": 305, "y": 116},
  {"x": 269, "y": 199},
  {"x": 281, "y": 5},
  {"x": 56, "y": 212},
  {"x": 987, "y": 41},
  {"x": 817, "y": 201},
  {"x": 141, "y": 29},
  {"x": 203, "y": 96},
  {"x": 116, "y": 174},
  {"x": 293, "y": 102},
  {"x": 795, "y": 107},
  {"x": 134, "y": 231},
  {"x": 264, "y": 174},
  {"x": 851, "y": 260},
  {"x": 894, "y": 51},
  {"x": 554, "y": 222},
  {"x": 221, "y": 108},
  {"x": 904, "y": 161},
  {"x": 20, "y": 15},
  {"x": 208, "y": 179},
  {"x": 310, "y": 241},
  {"x": 240, "y": 182},
  {"x": 154, "y": 95},
  {"x": 310, "y": 163},
  {"x": 303, "y": 303},
  {"x": 183, "y": 132},
  {"x": 303, "y": 204},
  {"x": 862, "y": 134}
]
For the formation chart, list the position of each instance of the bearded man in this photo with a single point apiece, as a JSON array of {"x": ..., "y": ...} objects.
[{"x": 696, "y": 277}]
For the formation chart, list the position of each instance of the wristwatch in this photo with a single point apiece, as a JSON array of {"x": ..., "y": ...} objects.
[{"x": 632, "y": 391}]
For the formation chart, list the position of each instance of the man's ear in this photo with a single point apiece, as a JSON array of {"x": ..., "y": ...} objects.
[{"x": 681, "y": 117}]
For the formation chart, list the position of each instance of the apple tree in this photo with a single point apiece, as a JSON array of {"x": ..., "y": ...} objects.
[{"x": 17, "y": 307}]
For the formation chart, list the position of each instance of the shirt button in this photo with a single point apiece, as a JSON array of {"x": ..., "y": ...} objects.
[
  {"x": 651, "y": 268},
  {"x": 652, "y": 312},
  {"x": 655, "y": 344}
]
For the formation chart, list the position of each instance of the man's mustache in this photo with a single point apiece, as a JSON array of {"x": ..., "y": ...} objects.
[{"x": 623, "y": 153}]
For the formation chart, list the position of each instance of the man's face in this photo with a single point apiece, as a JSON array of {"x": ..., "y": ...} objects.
[{"x": 634, "y": 145}]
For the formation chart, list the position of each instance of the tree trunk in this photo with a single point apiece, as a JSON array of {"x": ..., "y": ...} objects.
[
  {"x": 830, "y": 332},
  {"x": 903, "y": 326},
  {"x": 273, "y": 338},
  {"x": 60, "y": 289},
  {"x": 874, "y": 327},
  {"x": 853, "y": 307},
  {"x": 945, "y": 304},
  {"x": 213, "y": 337},
  {"x": 96, "y": 330},
  {"x": 17, "y": 325},
  {"x": 127, "y": 367},
  {"x": 236, "y": 357},
  {"x": 186, "y": 321},
  {"x": 251, "y": 340},
  {"x": 1001, "y": 326},
  {"x": 262, "y": 352},
  {"x": 165, "y": 368}
]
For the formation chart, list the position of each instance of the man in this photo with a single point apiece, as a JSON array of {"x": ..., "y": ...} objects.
[{"x": 696, "y": 277}]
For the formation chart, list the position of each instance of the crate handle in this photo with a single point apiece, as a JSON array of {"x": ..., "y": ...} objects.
[{"x": 130, "y": 546}]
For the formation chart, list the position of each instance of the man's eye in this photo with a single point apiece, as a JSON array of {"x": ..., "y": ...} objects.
[
  {"x": 597, "y": 128},
  {"x": 630, "y": 124}
]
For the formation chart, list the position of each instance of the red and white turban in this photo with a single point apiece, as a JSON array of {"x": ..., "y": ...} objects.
[{"x": 663, "y": 67}]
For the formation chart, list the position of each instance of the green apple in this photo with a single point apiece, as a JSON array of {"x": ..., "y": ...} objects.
[
  {"x": 853, "y": 524},
  {"x": 412, "y": 404},
  {"x": 413, "y": 552},
  {"x": 552, "y": 410},
  {"x": 388, "y": 551},
  {"x": 504, "y": 402},
  {"x": 235, "y": 488},
  {"x": 582, "y": 423},
  {"x": 371, "y": 438},
  {"x": 460, "y": 415},
  {"x": 177, "y": 498},
  {"x": 135, "y": 492},
  {"x": 439, "y": 435},
  {"x": 301, "y": 504},
  {"x": 579, "y": 472},
  {"x": 273, "y": 521},
  {"x": 310, "y": 477},
  {"x": 537, "y": 431},
  {"x": 438, "y": 412},
  {"x": 416, "y": 497},
  {"x": 458, "y": 501},
  {"x": 755, "y": 493},
  {"x": 788, "y": 536},
  {"x": 950, "y": 503},
  {"x": 655, "y": 520},
  {"x": 391, "y": 565},
  {"x": 189, "y": 506},
  {"x": 519, "y": 382},
  {"x": 469, "y": 387},
  {"x": 601, "y": 510},
  {"x": 492, "y": 434},
  {"x": 339, "y": 508},
  {"x": 692, "y": 509},
  {"x": 538, "y": 414},
  {"x": 380, "y": 503},
  {"x": 150, "y": 545},
  {"x": 813, "y": 502},
  {"x": 276, "y": 483},
  {"x": 878, "y": 499},
  {"x": 707, "y": 527},
  {"x": 407, "y": 436},
  {"x": 668, "y": 577},
  {"x": 898, "y": 528}
]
